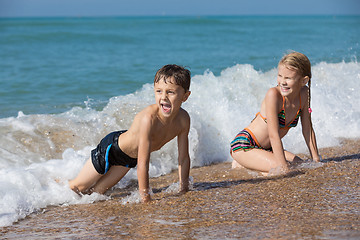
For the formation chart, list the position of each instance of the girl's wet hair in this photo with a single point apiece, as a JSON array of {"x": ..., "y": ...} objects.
[
  {"x": 301, "y": 64},
  {"x": 181, "y": 75},
  {"x": 298, "y": 62}
]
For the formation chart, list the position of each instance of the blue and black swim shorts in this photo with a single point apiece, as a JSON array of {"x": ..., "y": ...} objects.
[{"x": 108, "y": 154}]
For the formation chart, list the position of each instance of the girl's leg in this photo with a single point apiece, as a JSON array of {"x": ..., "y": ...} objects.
[
  {"x": 86, "y": 178},
  {"x": 257, "y": 159},
  {"x": 235, "y": 164},
  {"x": 113, "y": 176},
  {"x": 290, "y": 157}
]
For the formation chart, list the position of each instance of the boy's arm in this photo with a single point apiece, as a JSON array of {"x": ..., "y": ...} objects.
[
  {"x": 184, "y": 158},
  {"x": 308, "y": 132},
  {"x": 144, "y": 159}
]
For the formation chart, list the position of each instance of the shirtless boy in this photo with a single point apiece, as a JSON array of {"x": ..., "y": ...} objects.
[{"x": 151, "y": 129}]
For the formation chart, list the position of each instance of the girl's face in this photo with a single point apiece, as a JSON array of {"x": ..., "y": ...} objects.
[{"x": 289, "y": 81}]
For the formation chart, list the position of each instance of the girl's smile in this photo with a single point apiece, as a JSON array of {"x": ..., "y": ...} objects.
[{"x": 288, "y": 81}]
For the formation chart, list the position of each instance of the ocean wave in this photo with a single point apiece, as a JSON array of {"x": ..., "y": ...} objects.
[{"x": 38, "y": 149}]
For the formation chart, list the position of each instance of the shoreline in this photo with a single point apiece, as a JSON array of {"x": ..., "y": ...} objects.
[{"x": 321, "y": 202}]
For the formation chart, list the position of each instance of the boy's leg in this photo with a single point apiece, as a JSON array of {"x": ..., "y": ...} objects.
[
  {"x": 113, "y": 176},
  {"x": 256, "y": 159},
  {"x": 86, "y": 178}
]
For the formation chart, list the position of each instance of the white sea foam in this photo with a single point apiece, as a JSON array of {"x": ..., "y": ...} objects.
[{"x": 37, "y": 149}]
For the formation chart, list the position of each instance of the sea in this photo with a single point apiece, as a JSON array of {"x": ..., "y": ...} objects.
[{"x": 67, "y": 82}]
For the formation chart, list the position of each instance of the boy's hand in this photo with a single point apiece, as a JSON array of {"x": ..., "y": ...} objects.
[{"x": 145, "y": 195}]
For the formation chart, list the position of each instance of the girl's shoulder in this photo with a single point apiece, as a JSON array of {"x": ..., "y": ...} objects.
[
  {"x": 273, "y": 99},
  {"x": 273, "y": 94},
  {"x": 304, "y": 95},
  {"x": 304, "y": 91}
]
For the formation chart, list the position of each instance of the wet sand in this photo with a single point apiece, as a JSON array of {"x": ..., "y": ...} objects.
[{"x": 309, "y": 203}]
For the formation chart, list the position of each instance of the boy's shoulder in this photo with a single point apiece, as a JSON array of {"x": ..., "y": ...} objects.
[
  {"x": 183, "y": 114},
  {"x": 147, "y": 113},
  {"x": 153, "y": 110},
  {"x": 150, "y": 109},
  {"x": 183, "y": 120},
  {"x": 183, "y": 117}
]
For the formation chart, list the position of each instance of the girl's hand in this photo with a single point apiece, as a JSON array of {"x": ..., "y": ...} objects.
[
  {"x": 184, "y": 187},
  {"x": 318, "y": 159}
]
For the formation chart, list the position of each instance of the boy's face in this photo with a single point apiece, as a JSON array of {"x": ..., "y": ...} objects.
[{"x": 169, "y": 96}]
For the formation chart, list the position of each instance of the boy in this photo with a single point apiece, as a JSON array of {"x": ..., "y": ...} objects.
[{"x": 151, "y": 129}]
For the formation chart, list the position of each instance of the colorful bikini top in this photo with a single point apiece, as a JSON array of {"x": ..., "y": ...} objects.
[{"x": 282, "y": 118}]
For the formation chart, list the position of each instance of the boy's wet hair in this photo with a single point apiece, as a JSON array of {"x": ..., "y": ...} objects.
[{"x": 181, "y": 75}]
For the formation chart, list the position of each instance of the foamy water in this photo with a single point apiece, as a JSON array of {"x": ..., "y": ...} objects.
[{"x": 39, "y": 153}]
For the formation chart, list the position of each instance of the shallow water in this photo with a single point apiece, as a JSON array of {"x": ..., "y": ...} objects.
[
  {"x": 86, "y": 77},
  {"x": 318, "y": 201}
]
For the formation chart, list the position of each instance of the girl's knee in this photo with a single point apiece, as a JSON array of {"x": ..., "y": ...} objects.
[{"x": 236, "y": 165}]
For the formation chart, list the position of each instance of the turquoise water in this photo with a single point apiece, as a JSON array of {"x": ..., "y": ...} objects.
[
  {"x": 49, "y": 65},
  {"x": 67, "y": 82}
]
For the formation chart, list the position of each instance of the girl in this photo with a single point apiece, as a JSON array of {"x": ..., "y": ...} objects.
[{"x": 258, "y": 146}]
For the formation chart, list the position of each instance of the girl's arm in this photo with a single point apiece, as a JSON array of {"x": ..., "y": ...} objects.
[
  {"x": 272, "y": 103},
  {"x": 183, "y": 156},
  {"x": 307, "y": 129}
]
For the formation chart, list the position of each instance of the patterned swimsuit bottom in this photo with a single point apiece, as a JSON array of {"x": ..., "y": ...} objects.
[{"x": 245, "y": 141}]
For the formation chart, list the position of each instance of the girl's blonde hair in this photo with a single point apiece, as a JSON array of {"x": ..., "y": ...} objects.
[
  {"x": 301, "y": 64},
  {"x": 298, "y": 62}
]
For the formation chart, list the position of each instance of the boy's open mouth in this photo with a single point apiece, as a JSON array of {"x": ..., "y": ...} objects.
[{"x": 166, "y": 107}]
